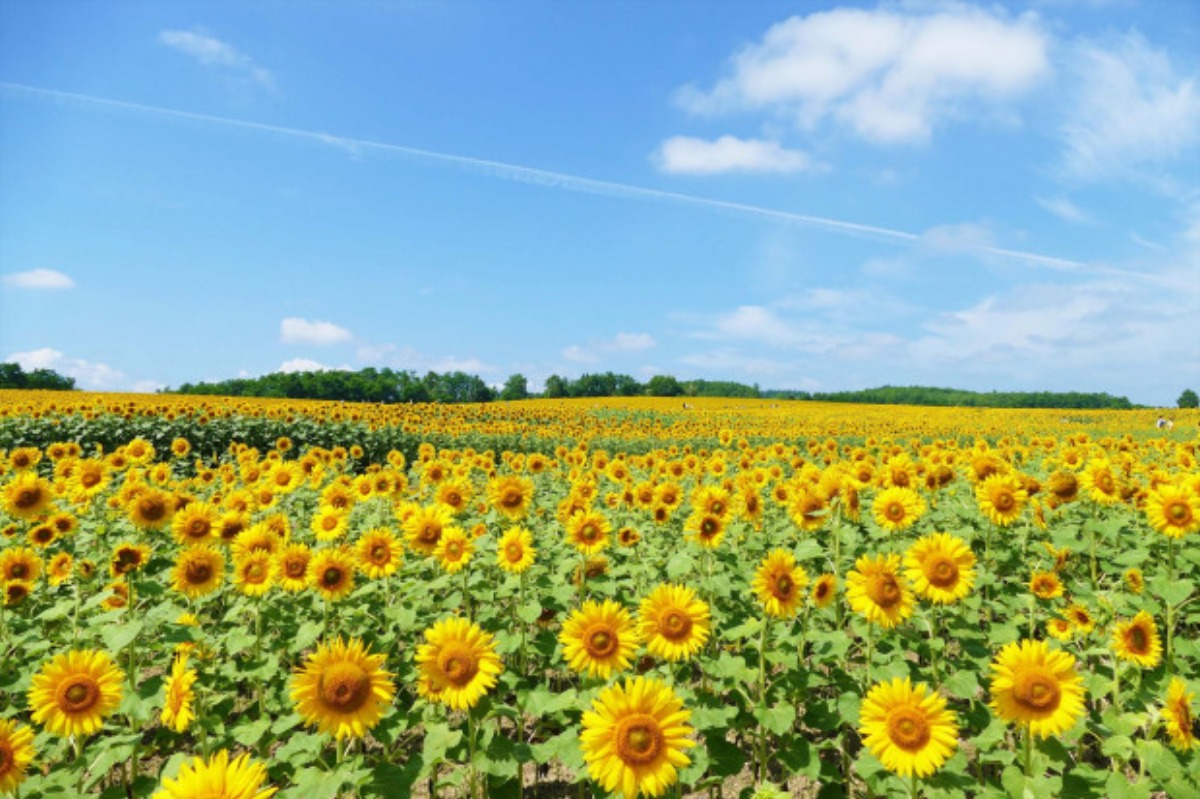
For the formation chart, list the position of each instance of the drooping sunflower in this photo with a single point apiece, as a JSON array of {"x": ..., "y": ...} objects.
[
  {"x": 1036, "y": 686},
  {"x": 60, "y": 568},
  {"x": 1046, "y": 585},
  {"x": 599, "y": 639},
  {"x": 1137, "y": 641},
  {"x": 27, "y": 495},
  {"x": 218, "y": 778},
  {"x": 633, "y": 738},
  {"x": 515, "y": 551},
  {"x": 73, "y": 692},
  {"x": 1181, "y": 722},
  {"x": 423, "y": 527},
  {"x": 780, "y": 582},
  {"x": 875, "y": 589},
  {"x": 379, "y": 553},
  {"x": 331, "y": 573},
  {"x": 20, "y": 563},
  {"x": 198, "y": 571},
  {"x": 127, "y": 558},
  {"x": 1173, "y": 511},
  {"x": 16, "y": 753},
  {"x": 177, "y": 712},
  {"x": 1134, "y": 580},
  {"x": 908, "y": 727},
  {"x": 291, "y": 567},
  {"x": 941, "y": 568},
  {"x": 588, "y": 531},
  {"x": 824, "y": 590},
  {"x": 896, "y": 508},
  {"x": 674, "y": 622},
  {"x": 458, "y": 663},
  {"x": 511, "y": 496},
  {"x": 342, "y": 689},
  {"x": 196, "y": 524},
  {"x": 454, "y": 550},
  {"x": 1001, "y": 498}
]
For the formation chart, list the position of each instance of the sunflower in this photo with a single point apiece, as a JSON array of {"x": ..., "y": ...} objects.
[
  {"x": 876, "y": 590},
  {"x": 1001, "y": 498},
  {"x": 151, "y": 509},
  {"x": 628, "y": 537},
  {"x": 285, "y": 478},
  {"x": 511, "y": 496},
  {"x": 458, "y": 663},
  {"x": 331, "y": 572},
  {"x": 455, "y": 493},
  {"x": 42, "y": 536},
  {"x": 824, "y": 590},
  {"x": 941, "y": 568},
  {"x": 379, "y": 553},
  {"x": 60, "y": 568},
  {"x": 291, "y": 567},
  {"x": 713, "y": 500},
  {"x": 23, "y": 458},
  {"x": 27, "y": 495},
  {"x": 514, "y": 551},
  {"x": 1134, "y": 580},
  {"x": 1173, "y": 511},
  {"x": 177, "y": 712},
  {"x": 1045, "y": 585},
  {"x": 217, "y": 778},
  {"x": 128, "y": 558},
  {"x": 588, "y": 531},
  {"x": 599, "y": 639},
  {"x": 897, "y": 508},
  {"x": 20, "y": 563},
  {"x": 908, "y": 727},
  {"x": 1137, "y": 641},
  {"x": 633, "y": 738},
  {"x": 1060, "y": 628},
  {"x": 330, "y": 523},
  {"x": 118, "y": 596},
  {"x": 673, "y": 622},
  {"x": 16, "y": 753},
  {"x": 72, "y": 693},
  {"x": 779, "y": 583},
  {"x": 423, "y": 528},
  {"x": 342, "y": 689},
  {"x": 1102, "y": 486},
  {"x": 1036, "y": 686},
  {"x": 706, "y": 529},
  {"x": 15, "y": 592},
  {"x": 196, "y": 524},
  {"x": 1181, "y": 723},
  {"x": 1063, "y": 486},
  {"x": 808, "y": 509},
  {"x": 252, "y": 573},
  {"x": 1081, "y": 618},
  {"x": 198, "y": 571},
  {"x": 454, "y": 550}
]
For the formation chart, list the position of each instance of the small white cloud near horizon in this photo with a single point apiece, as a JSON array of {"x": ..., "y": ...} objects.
[
  {"x": 88, "y": 374},
  {"x": 407, "y": 358},
  {"x": 621, "y": 342},
  {"x": 212, "y": 52},
  {"x": 39, "y": 279},
  {"x": 578, "y": 354},
  {"x": 295, "y": 330},
  {"x": 303, "y": 365},
  {"x": 685, "y": 155}
]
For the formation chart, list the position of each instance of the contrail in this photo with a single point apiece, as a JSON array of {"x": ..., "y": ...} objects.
[{"x": 561, "y": 180}]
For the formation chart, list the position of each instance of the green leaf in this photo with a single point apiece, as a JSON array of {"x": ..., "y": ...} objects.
[
  {"x": 439, "y": 739},
  {"x": 564, "y": 747},
  {"x": 725, "y": 759},
  {"x": 1174, "y": 593},
  {"x": 251, "y": 734},
  {"x": 117, "y": 637},
  {"x": 778, "y": 719},
  {"x": 964, "y": 684},
  {"x": 530, "y": 611}
]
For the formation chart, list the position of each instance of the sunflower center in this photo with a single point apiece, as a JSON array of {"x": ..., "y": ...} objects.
[
  {"x": 380, "y": 554},
  {"x": 600, "y": 641},
  {"x": 458, "y": 665},
  {"x": 1004, "y": 501},
  {"x": 1104, "y": 482},
  {"x": 675, "y": 624},
  {"x": 255, "y": 572},
  {"x": 79, "y": 694},
  {"x": 908, "y": 728},
  {"x": 18, "y": 571},
  {"x": 589, "y": 533},
  {"x": 900, "y": 479},
  {"x": 331, "y": 577},
  {"x": 295, "y": 567},
  {"x": 942, "y": 572},
  {"x": 1037, "y": 690},
  {"x": 709, "y": 528},
  {"x": 514, "y": 551},
  {"x": 329, "y": 523},
  {"x": 785, "y": 586},
  {"x": 884, "y": 590},
  {"x": 895, "y": 511},
  {"x": 152, "y": 509},
  {"x": 28, "y": 497},
  {"x": 1139, "y": 642},
  {"x": 197, "y": 528},
  {"x": 639, "y": 739},
  {"x": 197, "y": 573},
  {"x": 344, "y": 687},
  {"x": 512, "y": 499},
  {"x": 822, "y": 590},
  {"x": 430, "y": 534},
  {"x": 89, "y": 479},
  {"x": 454, "y": 550},
  {"x": 1179, "y": 512}
]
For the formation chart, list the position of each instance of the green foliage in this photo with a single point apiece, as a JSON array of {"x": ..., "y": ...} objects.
[
  {"x": 13, "y": 376},
  {"x": 953, "y": 397},
  {"x": 1188, "y": 399},
  {"x": 365, "y": 385}
]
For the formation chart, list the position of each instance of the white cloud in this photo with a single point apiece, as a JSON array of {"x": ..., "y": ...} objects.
[
  {"x": 1133, "y": 112},
  {"x": 687, "y": 155},
  {"x": 886, "y": 75},
  {"x": 578, "y": 354},
  {"x": 213, "y": 52},
  {"x": 39, "y": 279},
  {"x": 626, "y": 342},
  {"x": 88, "y": 374},
  {"x": 965, "y": 237},
  {"x": 295, "y": 330},
  {"x": 621, "y": 342},
  {"x": 1064, "y": 209},
  {"x": 302, "y": 365},
  {"x": 409, "y": 359}
]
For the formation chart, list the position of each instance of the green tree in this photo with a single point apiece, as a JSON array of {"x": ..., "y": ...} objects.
[
  {"x": 515, "y": 388},
  {"x": 556, "y": 387},
  {"x": 664, "y": 386},
  {"x": 1188, "y": 399}
]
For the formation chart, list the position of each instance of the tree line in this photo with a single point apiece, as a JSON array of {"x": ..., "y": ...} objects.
[
  {"x": 13, "y": 376},
  {"x": 926, "y": 395}
]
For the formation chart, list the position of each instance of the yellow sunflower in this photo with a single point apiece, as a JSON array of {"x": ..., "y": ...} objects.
[
  {"x": 291, "y": 567},
  {"x": 60, "y": 568},
  {"x": 20, "y": 563},
  {"x": 455, "y": 493},
  {"x": 1046, "y": 585},
  {"x": 252, "y": 573},
  {"x": 599, "y": 639},
  {"x": 588, "y": 531},
  {"x": 423, "y": 527},
  {"x": 1081, "y": 618},
  {"x": 1036, "y": 686},
  {"x": 330, "y": 523},
  {"x": 177, "y": 712},
  {"x": 941, "y": 568},
  {"x": 674, "y": 622},
  {"x": 514, "y": 551},
  {"x": 16, "y": 753},
  {"x": 331, "y": 573},
  {"x": 151, "y": 509},
  {"x": 908, "y": 727},
  {"x": 198, "y": 571},
  {"x": 897, "y": 508},
  {"x": 511, "y": 496},
  {"x": 27, "y": 495},
  {"x": 779, "y": 583},
  {"x": 217, "y": 778},
  {"x": 15, "y": 592},
  {"x": 824, "y": 590},
  {"x": 1173, "y": 511},
  {"x": 808, "y": 509},
  {"x": 128, "y": 558},
  {"x": 875, "y": 589},
  {"x": 633, "y": 738},
  {"x": 1137, "y": 641},
  {"x": 458, "y": 663},
  {"x": 1001, "y": 498},
  {"x": 1060, "y": 628},
  {"x": 454, "y": 550},
  {"x": 379, "y": 553},
  {"x": 1181, "y": 722},
  {"x": 196, "y": 524},
  {"x": 1134, "y": 580},
  {"x": 342, "y": 689},
  {"x": 706, "y": 529},
  {"x": 72, "y": 693},
  {"x": 1101, "y": 484}
]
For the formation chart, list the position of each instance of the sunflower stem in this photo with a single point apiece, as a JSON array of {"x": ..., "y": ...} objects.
[
  {"x": 762, "y": 699},
  {"x": 471, "y": 753},
  {"x": 77, "y": 743},
  {"x": 870, "y": 650},
  {"x": 1028, "y": 752},
  {"x": 914, "y": 787},
  {"x": 1032, "y": 615},
  {"x": 1116, "y": 667}
]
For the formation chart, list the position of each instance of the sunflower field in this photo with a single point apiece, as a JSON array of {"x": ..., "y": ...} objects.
[{"x": 627, "y": 597}]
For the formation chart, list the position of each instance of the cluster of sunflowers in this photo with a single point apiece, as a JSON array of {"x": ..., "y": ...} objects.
[{"x": 941, "y": 615}]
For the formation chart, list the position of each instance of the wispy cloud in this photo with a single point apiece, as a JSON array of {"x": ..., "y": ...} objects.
[
  {"x": 212, "y": 52},
  {"x": 621, "y": 342},
  {"x": 1064, "y": 209},
  {"x": 691, "y": 156},
  {"x": 885, "y": 75},
  {"x": 410, "y": 359},
  {"x": 295, "y": 330},
  {"x": 38, "y": 279}
]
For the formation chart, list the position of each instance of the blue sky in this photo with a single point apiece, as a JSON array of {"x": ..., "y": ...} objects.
[{"x": 801, "y": 195}]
